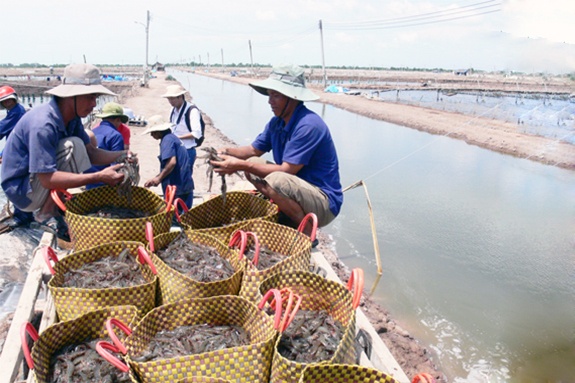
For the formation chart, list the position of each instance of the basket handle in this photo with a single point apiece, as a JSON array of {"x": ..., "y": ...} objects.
[
  {"x": 355, "y": 284},
  {"x": 54, "y": 193},
  {"x": 28, "y": 329},
  {"x": 150, "y": 235},
  {"x": 144, "y": 257},
  {"x": 180, "y": 202},
  {"x": 117, "y": 343},
  {"x": 289, "y": 310},
  {"x": 50, "y": 255},
  {"x": 103, "y": 348},
  {"x": 304, "y": 222},
  {"x": 273, "y": 293},
  {"x": 423, "y": 377},
  {"x": 277, "y": 299},
  {"x": 256, "y": 259},
  {"x": 239, "y": 238},
  {"x": 169, "y": 197}
]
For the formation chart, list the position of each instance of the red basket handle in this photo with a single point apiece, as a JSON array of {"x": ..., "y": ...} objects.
[
  {"x": 50, "y": 255},
  {"x": 239, "y": 238},
  {"x": 423, "y": 377},
  {"x": 117, "y": 343},
  {"x": 290, "y": 311},
  {"x": 256, "y": 246},
  {"x": 277, "y": 298},
  {"x": 303, "y": 223},
  {"x": 180, "y": 202},
  {"x": 169, "y": 197},
  {"x": 56, "y": 197},
  {"x": 144, "y": 257},
  {"x": 355, "y": 284},
  {"x": 150, "y": 235},
  {"x": 103, "y": 348},
  {"x": 28, "y": 329}
]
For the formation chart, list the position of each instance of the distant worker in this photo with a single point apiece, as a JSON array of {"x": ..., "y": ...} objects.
[
  {"x": 174, "y": 163},
  {"x": 49, "y": 149},
  {"x": 305, "y": 175},
  {"x": 186, "y": 119},
  {"x": 126, "y": 134},
  {"x": 107, "y": 134},
  {"x": 14, "y": 111}
]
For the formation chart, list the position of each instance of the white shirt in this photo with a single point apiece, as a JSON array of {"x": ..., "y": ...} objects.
[{"x": 181, "y": 129}]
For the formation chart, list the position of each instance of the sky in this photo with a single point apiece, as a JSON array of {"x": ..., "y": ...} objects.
[{"x": 529, "y": 36}]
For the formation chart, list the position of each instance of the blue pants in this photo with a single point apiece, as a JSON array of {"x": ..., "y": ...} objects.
[{"x": 192, "y": 158}]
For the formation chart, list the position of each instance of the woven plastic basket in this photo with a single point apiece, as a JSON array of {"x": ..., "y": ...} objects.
[
  {"x": 87, "y": 327},
  {"x": 221, "y": 220},
  {"x": 175, "y": 286},
  {"x": 280, "y": 239},
  {"x": 203, "y": 379},
  {"x": 72, "y": 302},
  {"x": 88, "y": 231},
  {"x": 248, "y": 363},
  {"x": 317, "y": 294},
  {"x": 343, "y": 373}
]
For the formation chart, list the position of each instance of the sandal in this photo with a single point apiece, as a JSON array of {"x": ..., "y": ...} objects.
[
  {"x": 4, "y": 228},
  {"x": 54, "y": 225}
]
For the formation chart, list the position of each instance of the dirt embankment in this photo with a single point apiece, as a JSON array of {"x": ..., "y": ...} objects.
[{"x": 495, "y": 135}]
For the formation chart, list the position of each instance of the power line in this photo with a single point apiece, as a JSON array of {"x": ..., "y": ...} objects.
[{"x": 471, "y": 10}]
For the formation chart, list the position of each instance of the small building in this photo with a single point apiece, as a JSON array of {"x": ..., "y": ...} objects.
[{"x": 158, "y": 67}]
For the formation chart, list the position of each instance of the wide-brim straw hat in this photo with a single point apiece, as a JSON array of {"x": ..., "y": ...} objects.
[
  {"x": 174, "y": 91},
  {"x": 111, "y": 109},
  {"x": 158, "y": 124},
  {"x": 288, "y": 80},
  {"x": 79, "y": 80}
]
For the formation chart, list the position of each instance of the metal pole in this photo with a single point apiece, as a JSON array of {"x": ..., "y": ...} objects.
[
  {"x": 147, "y": 36},
  {"x": 322, "y": 56},
  {"x": 223, "y": 69},
  {"x": 251, "y": 56}
]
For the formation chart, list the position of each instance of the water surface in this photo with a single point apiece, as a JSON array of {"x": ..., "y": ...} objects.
[{"x": 477, "y": 247}]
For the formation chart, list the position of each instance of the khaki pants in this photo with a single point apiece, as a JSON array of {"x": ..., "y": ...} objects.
[
  {"x": 309, "y": 197},
  {"x": 71, "y": 157}
]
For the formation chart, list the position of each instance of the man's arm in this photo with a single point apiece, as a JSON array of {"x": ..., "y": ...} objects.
[
  {"x": 242, "y": 152},
  {"x": 163, "y": 174},
  {"x": 65, "y": 180},
  {"x": 230, "y": 164},
  {"x": 104, "y": 157}
]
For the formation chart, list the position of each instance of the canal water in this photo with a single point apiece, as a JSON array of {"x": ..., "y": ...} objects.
[{"x": 477, "y": 247}]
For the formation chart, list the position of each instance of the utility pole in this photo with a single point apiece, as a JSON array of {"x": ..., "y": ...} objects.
[
  {"x": 208, "y": 61},
  {"x": 251, "y": 56},
  {"x": 147, "y": 28},
  {"x": 222, "y": 50},
  {"x": 147, "y": 35},
  {"x": 322, "y": 56}
]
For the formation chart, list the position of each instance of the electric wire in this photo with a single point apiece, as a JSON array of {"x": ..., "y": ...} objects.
[
  {"x": 413, "y": 21},
  {"x": 437, "y": 16}
]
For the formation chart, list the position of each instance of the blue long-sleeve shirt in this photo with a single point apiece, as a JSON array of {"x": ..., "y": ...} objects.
[{"x": 9, "y": 122}]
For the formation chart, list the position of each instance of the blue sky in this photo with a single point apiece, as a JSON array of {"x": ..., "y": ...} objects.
[{"x": 510, "y": 35}]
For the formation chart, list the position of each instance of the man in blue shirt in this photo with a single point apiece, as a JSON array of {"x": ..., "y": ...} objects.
[
  {"x": 174, "y": 163},
  {"x": 49, "y": 149},
  {"x": 305, "y": 175},
  {"x": 14, "y": 111},
  {"x": 107, "y": 135}
]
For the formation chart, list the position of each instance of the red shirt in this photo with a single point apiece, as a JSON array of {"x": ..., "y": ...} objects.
[{"x": 125, "y": 132}]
